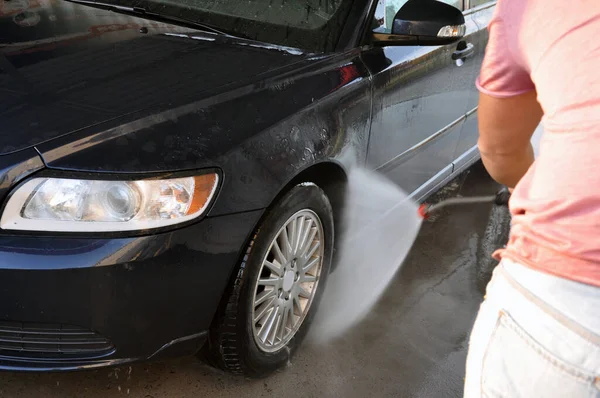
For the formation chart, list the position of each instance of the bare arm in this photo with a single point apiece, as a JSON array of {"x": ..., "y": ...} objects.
[{"x": 505, "y": 129}]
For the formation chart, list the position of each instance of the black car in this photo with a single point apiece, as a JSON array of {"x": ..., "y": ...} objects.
[{"x": 172, "y": 172}]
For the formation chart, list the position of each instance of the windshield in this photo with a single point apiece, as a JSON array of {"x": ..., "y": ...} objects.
[
  {"x": 313, "y": 25},
  {"x": 309, "y": 14}
]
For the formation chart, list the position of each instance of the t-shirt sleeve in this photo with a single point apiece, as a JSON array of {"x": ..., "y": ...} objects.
[{"x": 501, "y": 74}]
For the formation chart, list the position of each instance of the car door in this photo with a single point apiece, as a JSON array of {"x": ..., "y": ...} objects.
[
  {"x": 478, "y": 14},
  {"x": 420, "y": 98}
]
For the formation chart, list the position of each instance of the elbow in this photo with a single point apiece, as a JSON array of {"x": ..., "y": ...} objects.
[
  {"x": 494, "y": 150},
  {"x": 506, "y": 165},
  {"x": 502, "y": 152},
  {"x": 495, "y": 162}
]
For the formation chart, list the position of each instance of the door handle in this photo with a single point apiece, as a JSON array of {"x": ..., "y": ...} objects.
[{"x": 464, "y": 50}]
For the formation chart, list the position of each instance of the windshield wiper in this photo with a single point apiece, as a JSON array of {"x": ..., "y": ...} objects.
[{"x": 142, "y": 12}]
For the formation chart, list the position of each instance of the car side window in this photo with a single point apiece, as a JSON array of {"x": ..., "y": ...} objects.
[
  {"x": 384, "y": 15},
  {"x": 456, "y": 3},
  {"x": 477, "y": 3},
  {"x": 387, "y": 9}
]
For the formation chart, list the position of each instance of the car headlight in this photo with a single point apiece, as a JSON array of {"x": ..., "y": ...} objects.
[{"x": 72, "y": 205}]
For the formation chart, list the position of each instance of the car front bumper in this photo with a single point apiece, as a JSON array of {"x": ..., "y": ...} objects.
[{"x": 73, "y": 303}]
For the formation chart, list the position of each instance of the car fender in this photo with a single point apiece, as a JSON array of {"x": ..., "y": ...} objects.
[{"x": 261, "y": 136}]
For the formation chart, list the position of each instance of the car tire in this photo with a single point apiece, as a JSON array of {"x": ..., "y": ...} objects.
[{"x": 235, "y": 342}]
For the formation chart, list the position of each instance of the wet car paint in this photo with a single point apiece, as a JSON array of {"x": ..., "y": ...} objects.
[
  {"x": 116, "y": 99},
  {"x": 261, "y": 135},
  {"x": 427, "y": 95},
  {"x": 190, "y": 101}
]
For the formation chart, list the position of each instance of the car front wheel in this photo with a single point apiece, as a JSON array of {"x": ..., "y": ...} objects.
[{"x": 269, "y": 305}]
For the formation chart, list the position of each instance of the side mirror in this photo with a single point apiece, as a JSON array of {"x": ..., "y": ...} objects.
[{"x": 424, "y": 22}]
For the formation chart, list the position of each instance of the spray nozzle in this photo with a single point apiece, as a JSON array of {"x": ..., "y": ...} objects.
[{"x": 424, "y": 211}]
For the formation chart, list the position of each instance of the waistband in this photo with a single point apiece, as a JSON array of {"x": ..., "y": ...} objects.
[{"x": 568, "y": 301}]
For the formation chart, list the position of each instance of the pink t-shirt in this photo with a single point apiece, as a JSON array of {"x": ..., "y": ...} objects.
[{"x": 553, "y": 46}]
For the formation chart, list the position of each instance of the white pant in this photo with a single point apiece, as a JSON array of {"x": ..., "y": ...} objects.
[{"x": 536, "y": 335}]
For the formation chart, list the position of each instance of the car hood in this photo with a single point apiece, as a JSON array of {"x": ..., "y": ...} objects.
[{"x": 66, "y": 67}]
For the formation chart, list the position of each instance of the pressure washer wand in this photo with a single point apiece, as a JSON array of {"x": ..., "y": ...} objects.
[{"x": 500, "y": 199}]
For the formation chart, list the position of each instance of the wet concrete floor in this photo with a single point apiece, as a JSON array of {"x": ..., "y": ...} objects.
[{"x": 413, "y": 344}]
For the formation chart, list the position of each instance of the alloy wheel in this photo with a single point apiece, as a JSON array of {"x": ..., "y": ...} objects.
[{"x": 288, "y": 280}]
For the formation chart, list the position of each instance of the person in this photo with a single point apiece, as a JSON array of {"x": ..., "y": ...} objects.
[{"x": 537, "y": 333}]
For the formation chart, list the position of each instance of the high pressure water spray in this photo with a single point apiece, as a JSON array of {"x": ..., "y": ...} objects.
[
  {"x": 381, "y": 223},
  {"x": 500, "y": 199}
]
